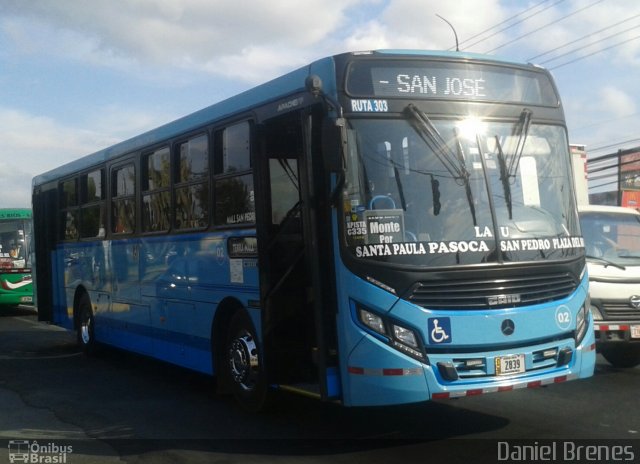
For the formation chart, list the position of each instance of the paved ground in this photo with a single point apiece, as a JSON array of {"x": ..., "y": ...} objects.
[{"x": 120, "y": 407}]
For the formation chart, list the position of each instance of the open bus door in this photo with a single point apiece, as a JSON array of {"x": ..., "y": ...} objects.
[
  {"x": 45, "y": 209},
  {"x": 295, "y": 262}
]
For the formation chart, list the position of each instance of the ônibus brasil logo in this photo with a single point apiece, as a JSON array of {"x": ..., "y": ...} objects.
[{"x": 33, "y": 452}]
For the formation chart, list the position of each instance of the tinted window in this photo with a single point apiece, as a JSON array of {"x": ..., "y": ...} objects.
[
  {"x": 123, "y": 199},
  {"x": 234, "y": 200},
  {"x": 157, "y": 173},
  {"x": 192, "y": 184},
  {"x": 92, "y": 209},
  {"x": 194, "y": 159},
  {"x": 92, "y": 187},
  {"x": 69, "y": 210},
  {"x": 92, "y": 221},
  {"x": 68, "y": 194},
  {"x": 236, "y": 148},
  {"x": 156, "y": 200}
]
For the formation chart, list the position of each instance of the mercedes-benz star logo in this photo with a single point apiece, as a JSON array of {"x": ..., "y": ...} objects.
[
  {"x": 508, "y": 327},
  {"x": 635, "y": 301}
]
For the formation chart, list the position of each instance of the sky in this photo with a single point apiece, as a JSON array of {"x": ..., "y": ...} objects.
[{"x": 77, "y": 76}]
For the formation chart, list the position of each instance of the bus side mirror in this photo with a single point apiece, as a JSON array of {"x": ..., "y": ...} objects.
[{"x": 333, "y": 144}]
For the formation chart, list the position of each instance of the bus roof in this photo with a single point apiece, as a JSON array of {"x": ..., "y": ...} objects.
[
  {"x": 443, "y": 54},
  {"x": 273, "y": 90}
]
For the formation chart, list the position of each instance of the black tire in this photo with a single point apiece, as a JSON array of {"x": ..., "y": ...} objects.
[
  {"x": 244, "y": 364},
  {"x": 85, "y": 325},
  {"x": 623, "y": 356}
]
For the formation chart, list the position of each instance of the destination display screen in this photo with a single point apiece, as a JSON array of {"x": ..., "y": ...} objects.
[{"x": 449, "y": 80}]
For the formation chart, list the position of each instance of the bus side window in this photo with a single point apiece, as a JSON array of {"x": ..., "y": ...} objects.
[
  {"x": 236, "y": 148},
  {"x": 234, "y": 200},
  {"x": 156, "y": 174},
  {"x": 192, "y": 183},
  {"x": 123, "y": 189},
  {"x": 284, "y": 187},
  {"x": 69, "y": 209},
  {"x": 92, "y": 208}
]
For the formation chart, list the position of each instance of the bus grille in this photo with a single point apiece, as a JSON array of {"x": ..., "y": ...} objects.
[{"x": 493, "y": 293}]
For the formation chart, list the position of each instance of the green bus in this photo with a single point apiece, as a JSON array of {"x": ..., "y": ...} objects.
[{"x": 16, "y": 230}]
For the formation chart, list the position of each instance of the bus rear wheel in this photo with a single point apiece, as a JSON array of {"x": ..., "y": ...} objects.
[
  {"x": 85, "y": 325},
  {"x": 244, "y": 364}
]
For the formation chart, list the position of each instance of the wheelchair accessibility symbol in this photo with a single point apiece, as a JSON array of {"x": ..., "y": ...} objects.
[{"x": 439, "y": 330}]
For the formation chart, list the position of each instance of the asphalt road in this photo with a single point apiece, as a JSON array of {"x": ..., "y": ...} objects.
[{"x": 119, "y": 407}]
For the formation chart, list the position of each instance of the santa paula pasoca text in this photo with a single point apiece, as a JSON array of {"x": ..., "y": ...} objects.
[{"x": 464, "y": 246}]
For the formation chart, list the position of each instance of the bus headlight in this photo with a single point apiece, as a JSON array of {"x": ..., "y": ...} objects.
[
  {"x": 405, "y": 336},
  {"x": 373, "y": 321},
  {"x": 582, "y": 322},
  {"x": 398, "y": 336}
]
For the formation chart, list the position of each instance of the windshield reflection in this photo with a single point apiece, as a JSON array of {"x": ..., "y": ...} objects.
[
  {"x": 15, "y": 240},
  {"x": 426, "y": 191},
  {"x": 612, "y": 238}
]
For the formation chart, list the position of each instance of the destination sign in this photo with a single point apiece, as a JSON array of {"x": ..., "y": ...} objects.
[
  {"x": 449, "y": 80},
  {"x": 15, "y": 214}
]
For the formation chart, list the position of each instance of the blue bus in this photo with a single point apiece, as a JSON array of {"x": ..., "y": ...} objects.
[{"x": 374, "y": 228}]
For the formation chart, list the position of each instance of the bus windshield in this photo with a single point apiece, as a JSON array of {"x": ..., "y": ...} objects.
[
  {"x": 425, "y": 191},
  {"x": 612, "y": 237},
  {"x": 14, "y": 243}
]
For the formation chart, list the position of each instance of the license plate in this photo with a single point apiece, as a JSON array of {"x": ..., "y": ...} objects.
[
  {"x": 26, "y": 299},
  {"x": 635, "y": 331},
  {"x": 512, "y": 364}
]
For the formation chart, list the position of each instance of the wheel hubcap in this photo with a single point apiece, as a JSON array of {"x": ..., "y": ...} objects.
[
  {"x": 243, "y": 360},
  {"x": 85, "y": 331}
]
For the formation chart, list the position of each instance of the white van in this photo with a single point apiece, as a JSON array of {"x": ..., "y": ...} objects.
[{"x": 612, "y": 245}]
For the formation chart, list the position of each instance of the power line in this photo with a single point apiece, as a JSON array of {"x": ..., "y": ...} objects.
[
  {"x": 603, "y": 176},
  {"x": 511, "y": 25},
  {"x": 596, "y": 52},
  {"x": 591, "y": 187},
  {"x": 589, "y": 44},
  {"x": 603, "y": 121},
  {"x": 507, "y": 20},
  {"x": 612, "y": 166},
  {"x": 615, "y": 144},
  {"x": 598, "y": 159},
  {"x": 546, "y": 25},
  {"x": 583, "y": 37}
]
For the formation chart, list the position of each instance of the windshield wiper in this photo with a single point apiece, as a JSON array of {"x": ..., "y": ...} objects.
[
  {"x": 606, "y": 262},
  {"x": 521, "y": 130},
  {"x": 435, "y": 195},
  {"x": 453, "y": 162},
  {"x": 504, "y": 177},
  {"x": 396, "y": 174},
  {"x": 507, "y": 172},
  {"x": 465, "y": 175}
]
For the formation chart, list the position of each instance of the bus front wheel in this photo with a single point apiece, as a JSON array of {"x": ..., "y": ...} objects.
[
  {"x": 245, "y": 364},
  {"x": 85, "y": 325}
]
